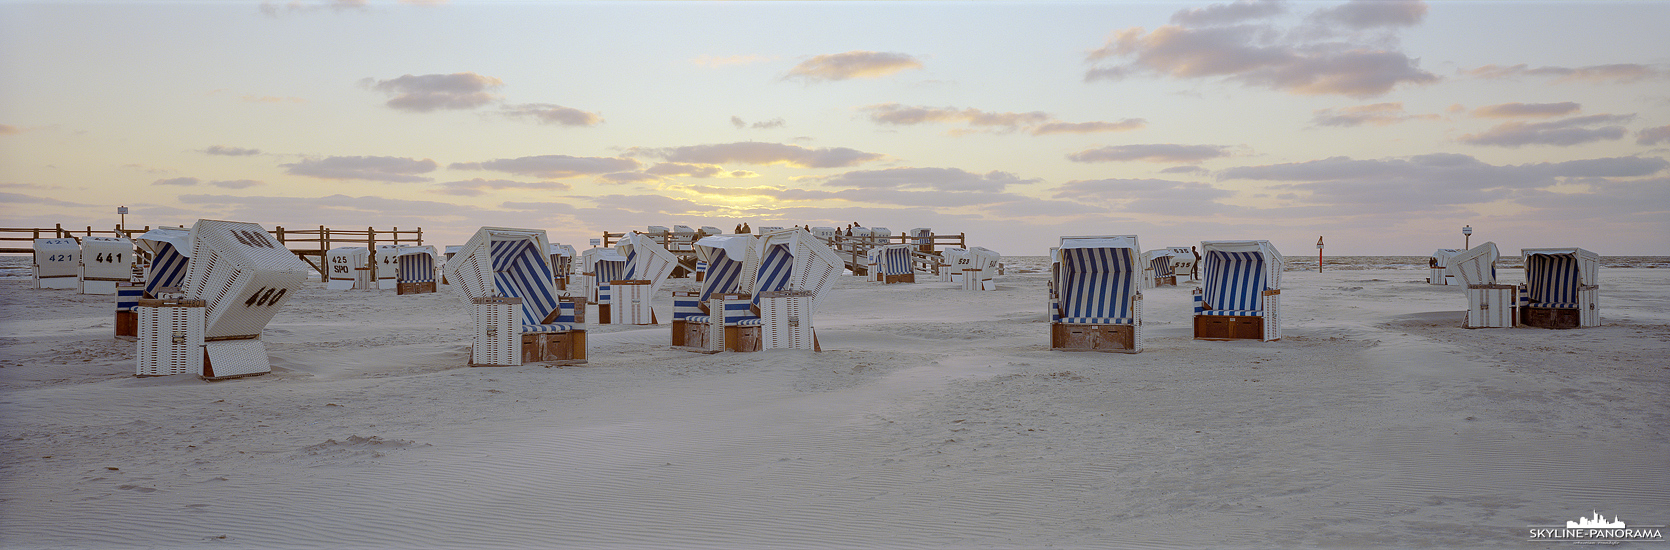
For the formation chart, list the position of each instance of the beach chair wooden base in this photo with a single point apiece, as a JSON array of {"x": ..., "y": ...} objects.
[
  {"x": 556, "y": 348},
  {"x": 737, "y": 338},
  {"x": 1229, "y": 327},
  {"x": 1550, "y": 317},
  {"x": 1107, "y": 338},
  {"x": 902, "y": 278},
  {"x": 127, "y": 325},
  {"x": 603, "y": 313},
  {"x": 414, "y": 288}
]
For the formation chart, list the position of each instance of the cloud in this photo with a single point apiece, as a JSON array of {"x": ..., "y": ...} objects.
[
  {"x": 685, "y": 169},
  {"x": 7, "y": 129},
  {"x": 1367, "y": 14},
  {"x": 1565, "y": 132},
  {"x": 1149, "y": 196},
  {"x": 1233, "y": 12},
  {"x": 478, "y": 187},
  {"x": 997, "y": 203},
  {"x": 1527, "y": 110},
  {"x": 236, "y": 184},
  {"x": 762, "y": 125},
  {"x": 1618, "y": 73},
  {"x": 1653, "y": 136},
  {"x": 19, "y": 198},
  {"x": 1256, "y": 55},
  {"x": 1155, "y": 152},
  {"x": 761, "y": 153},
  {"x": 1185, "y": 170},
  {"x": 275, "y": 9},
  {"x": 424, "y": 93},
  {"x": 941, "y": 179},
  {"x": 385, "y": 169},
  {"x": 711, "y": 61},
  {"x": 186, "y": 182},
  {"x": 230, "y": 151},
  {"x": 1039, "y": 123},
  {"x": 853, "y": 64},
  {"x": 546, "y": 113},
  {"x": 1089, "y": 127},
  {"x": 552, "y": 166},
  {"x": 1378, "y": 114}
]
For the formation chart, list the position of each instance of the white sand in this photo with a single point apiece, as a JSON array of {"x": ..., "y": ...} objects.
[{"x": 935, "y": 418}]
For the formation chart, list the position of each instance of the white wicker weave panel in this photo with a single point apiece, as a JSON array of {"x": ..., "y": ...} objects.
[
  {"x": 1491, "y": 307},
  {"x": 233, "y": 358},
  {"x": 1589, "y": 300},
  {"x": 630, "y": 304},
  {"x": 1272, "y": 317},
  {"x": 243, "y": 274},
  {"x": 1136, "y": 331},
  {"x": 716, "y": 324},
  {"x": 787, "y": 322},
  {"x": 498, "y": 334},
  {"x": 170, "y": 340}
]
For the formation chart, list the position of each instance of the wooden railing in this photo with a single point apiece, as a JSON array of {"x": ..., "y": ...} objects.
[
  {"x": 310, "y": 245},
  {"x": 852, "y": 249}
]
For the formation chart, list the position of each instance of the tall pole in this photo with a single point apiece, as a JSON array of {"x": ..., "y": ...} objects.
[
  {"x": 1467, "y": 231},
  {"x": 1319, "y": 254}
]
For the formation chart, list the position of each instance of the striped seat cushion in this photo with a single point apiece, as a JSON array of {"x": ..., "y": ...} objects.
[
  {"x": 750, "y": 322},
  {"x": 1557, "y": 305},
  {"x": 529, "y": 329},
  {"x": 745, "y": 321},
  {"x": 1097, "y": 320},
  {"x": 1235, "y": 312}
]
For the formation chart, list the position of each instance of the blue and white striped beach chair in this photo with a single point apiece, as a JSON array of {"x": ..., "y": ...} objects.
[
  {"x": 1159, "y": 271},
  {"x": 504, "y": 275},
  {"x": 893, "y": 264},
  {"x": 1096, "y": 294},
  {"x": 648, "y": 264},
  {"x": 1561, "y": 288},
  {"x": 727, "y": 259},
  {"x": 1240, "y": 295},
  {"x": 415, "y": 270}
]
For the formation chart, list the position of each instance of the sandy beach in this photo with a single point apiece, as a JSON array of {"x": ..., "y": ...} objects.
[{"x": 934, "y": 418}]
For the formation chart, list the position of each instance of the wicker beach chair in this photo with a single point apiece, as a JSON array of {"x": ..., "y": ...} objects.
[
  {"x": 1096, "y": 294},
  {"x": 979, "y": 271},
  {"x": 57, "y": 262},
  {"x": 415, "y": 269},
  {"x": 170, "y": 251},
  {"x": 648, "y": 264},
  {"x": 504, "y": 276},
  {"x": 1488, "y": 304},
  {"x": 728, "y": 260},
  {"x": 892, "y": 264},
  {"x": 238, "y": 279},
  {"x": 1157, "y": 270},
  {"x": 105, "y": 261},
  {"x": 1240, "y": 295},
  {"x": 1438, "y": 267},
  {"x": 350, "y": 268},
  {"x": 1561, "y": 288}
]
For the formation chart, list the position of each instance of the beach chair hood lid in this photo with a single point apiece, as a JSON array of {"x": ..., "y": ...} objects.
[
  {"x": 1572, "y": 251},
  {"x": 178, "y": 237},
  {"x": 564, "y": 250},
  {"x": 1102, "y": 241},
  {"x": 405, "y": 250},
  {"x": 1273, "y": 262},
  {"x": 1484, "y": 254},
  {"x": 735, "y": 246}
]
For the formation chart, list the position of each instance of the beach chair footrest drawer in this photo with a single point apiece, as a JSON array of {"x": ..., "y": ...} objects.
[
  {"x": 1548, "y": 317},
  {"x": 1099, "y": 337},
  {"x": 563, "y": 348},
  {"x": 1229, "y": 327}
]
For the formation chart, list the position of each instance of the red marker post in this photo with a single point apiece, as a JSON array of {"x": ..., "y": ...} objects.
[{"x": 1319, "y": 254}]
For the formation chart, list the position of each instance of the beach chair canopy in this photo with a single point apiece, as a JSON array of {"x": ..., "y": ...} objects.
[
  {"x": 170, "y": 249},
  {"x": 242, "y": 274},
  {"x": 452, "y": 250},
  {"x": 983, "y": 258},
  {"x": 727, "y": 257},
  {"x": 1236, "y": 275},
  {"x": 1475, "y": 266},
  {"x": 1553, "y": 276},
  {"x": 646, "y": 259},
  {"x": 1441, "y": 257},
  {"x": 1096, "y": 276},
  {"x": 508, "y": 262},
  {"x": 792, "y": 259}
]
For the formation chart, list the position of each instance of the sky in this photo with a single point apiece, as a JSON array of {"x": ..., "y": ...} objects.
[{"x": 1382, "y": 127}]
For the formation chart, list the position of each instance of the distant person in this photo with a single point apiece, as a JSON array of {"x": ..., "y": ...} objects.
[{"x": 1194, "y": 270}]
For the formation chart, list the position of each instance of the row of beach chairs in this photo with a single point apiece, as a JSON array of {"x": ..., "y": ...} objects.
[{"x": 213, "y": 288}]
